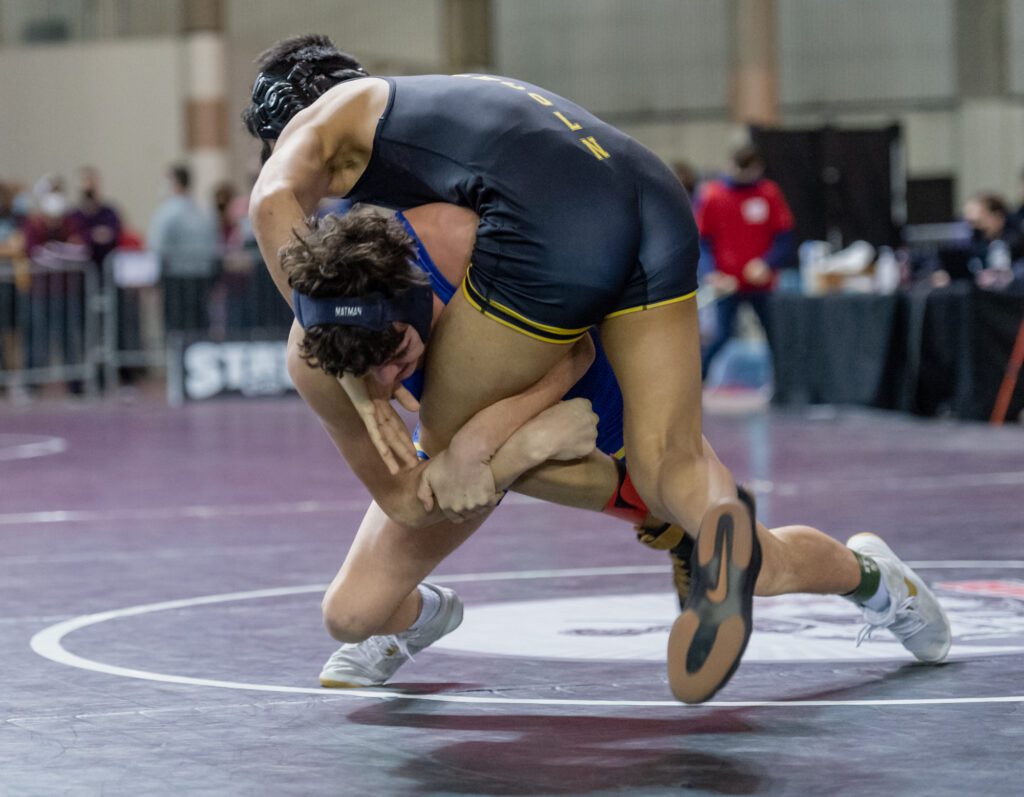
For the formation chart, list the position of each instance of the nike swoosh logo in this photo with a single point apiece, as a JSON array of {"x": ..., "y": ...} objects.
[{"x": 721, "y": 590}]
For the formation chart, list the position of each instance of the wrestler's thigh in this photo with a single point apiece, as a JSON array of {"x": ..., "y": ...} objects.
[
  {"x": 384, "y": 564},
  {"x": 655, "y": 354},
  {"x": 473, "y": 362}
]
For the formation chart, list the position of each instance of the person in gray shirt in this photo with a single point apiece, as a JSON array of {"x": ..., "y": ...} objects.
[{"x": 185, "y": 237}]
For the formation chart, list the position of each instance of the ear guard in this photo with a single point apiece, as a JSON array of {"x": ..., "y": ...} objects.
[
  {"x": 277, "y": 99},
  {"x": 413, "y": 306}
]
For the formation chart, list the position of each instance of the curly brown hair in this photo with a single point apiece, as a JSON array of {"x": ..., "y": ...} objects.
[{"x": 353, "y": 255}]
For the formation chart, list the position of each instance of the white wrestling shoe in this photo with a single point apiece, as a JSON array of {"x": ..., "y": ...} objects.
[
  {"x": 374, "y": 661},
  {"x": 914, "y": 615}
]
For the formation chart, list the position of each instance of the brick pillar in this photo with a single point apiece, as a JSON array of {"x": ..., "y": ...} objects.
[
  {"x": 205, "y": 85},
  {"x": 753, "y": 45},
  {"x": 468, "y": 46}
]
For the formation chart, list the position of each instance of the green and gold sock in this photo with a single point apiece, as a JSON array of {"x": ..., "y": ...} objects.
[{"x": 870, "y": 580}]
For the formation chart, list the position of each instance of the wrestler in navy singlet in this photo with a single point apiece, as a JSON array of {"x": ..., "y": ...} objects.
[
  {"x": 577, "y": 220},
  {"x": 598, "y": 383}
]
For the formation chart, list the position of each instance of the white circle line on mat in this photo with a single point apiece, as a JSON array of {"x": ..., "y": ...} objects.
[
  {"x": 35, "y": 446},
  {"x": 48, "y": 643}
]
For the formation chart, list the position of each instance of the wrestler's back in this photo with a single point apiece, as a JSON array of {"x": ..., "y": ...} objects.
[
  {"x": 511, "y": 151},
  {"x": 560, "y": 194}
]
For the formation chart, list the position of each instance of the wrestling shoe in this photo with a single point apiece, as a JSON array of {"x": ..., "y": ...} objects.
[
  {"x": 914, "y": 615},
  {"x": 671, "y": 538},
  {"x": 708, "y": 639},
  {"x": 374, "y": 661}
]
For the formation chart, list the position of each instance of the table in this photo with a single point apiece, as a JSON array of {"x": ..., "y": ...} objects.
[{"x": 930, "y": 351}]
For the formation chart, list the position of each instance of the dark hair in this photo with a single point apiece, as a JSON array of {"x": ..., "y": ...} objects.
[
  {"x": 746, "y": 156},
  {"x": 316, "y": 53},
  {"x": 345, "y": 256},
  {"x": 686, "y": 175},
  {"x": 181, "y": 175},
  {"x": 992, "y": 202}
]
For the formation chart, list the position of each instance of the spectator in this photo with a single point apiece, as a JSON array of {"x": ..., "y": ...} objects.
[
  {"x": 12, "y": 240},
  {"x": 996, "y": 248},
  {"x": 223, "y": 197},
  {"x": 230, "y": 286},
  {"x": 185, "y": 238},
  {"x": 13, "y": 286},
  {"x": 746, "y": 230},
  {"x": 688, "y": 176},
  {"x": 49, "y": 223},
  {"x": 1017, "y": 217},
  {"x": 53, "y": 241},
  {"x": 996, "y": 240},
  {"x": 97, "y": 222}
]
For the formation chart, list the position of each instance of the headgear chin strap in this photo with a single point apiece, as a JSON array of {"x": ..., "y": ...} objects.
[
  {"x": 413, "y": 306},
  {"x": 277, "y": 99}
]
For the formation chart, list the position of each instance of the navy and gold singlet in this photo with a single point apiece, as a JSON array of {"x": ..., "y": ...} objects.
[{"x": 577, "y": 220}]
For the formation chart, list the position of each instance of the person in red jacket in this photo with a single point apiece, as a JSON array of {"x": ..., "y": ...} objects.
[{"x": 746, "y": 228}]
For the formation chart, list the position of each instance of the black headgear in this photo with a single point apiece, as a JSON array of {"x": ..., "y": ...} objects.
[
  {"x": 276, "y": 99},
  {"x": 414, "y": 305}
]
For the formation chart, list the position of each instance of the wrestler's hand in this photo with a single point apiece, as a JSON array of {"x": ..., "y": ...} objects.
[
  {"x": 388, "y": 432},
  {"x": 462, "y": 487},
  {"x": 568, "y": 430}
]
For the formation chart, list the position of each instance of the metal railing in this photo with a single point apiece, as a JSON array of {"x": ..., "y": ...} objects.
[
  {"x": 60, "y": 322},
  {"x": 49, "y": 321},
  {"x": 132, "y": 305}
]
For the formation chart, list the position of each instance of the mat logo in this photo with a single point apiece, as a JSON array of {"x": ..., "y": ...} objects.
[
  {"x": 988, "y": 589},
  {"x": 986, "y": 617}
]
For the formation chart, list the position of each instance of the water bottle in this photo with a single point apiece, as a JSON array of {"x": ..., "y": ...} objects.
[{"x": 887, "y": 271}]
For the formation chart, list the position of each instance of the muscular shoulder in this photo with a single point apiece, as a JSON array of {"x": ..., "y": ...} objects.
[
  {"x": 348, "y": 102},
  {"x": 335, "y": 133},
  {"x": 347, "y": 114}
]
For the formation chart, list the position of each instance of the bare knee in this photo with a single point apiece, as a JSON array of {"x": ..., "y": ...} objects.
[{"x": 346, "y": 620}]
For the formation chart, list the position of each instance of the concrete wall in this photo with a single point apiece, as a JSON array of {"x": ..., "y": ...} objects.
[
  {"x": 835, "y": 51},
  {"x": 658, "y": 68},
  {"x": 618, "y": 58},
  {"x": 114, "y": 104}
]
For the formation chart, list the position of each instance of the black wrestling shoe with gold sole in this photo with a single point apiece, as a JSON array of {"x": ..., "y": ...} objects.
[
  {"x": 708, "y": 639},
  {"x": 671, "y": 538}
]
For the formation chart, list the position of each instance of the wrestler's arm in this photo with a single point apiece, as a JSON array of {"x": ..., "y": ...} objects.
[
  {"x": 396, "y": 494},
  {"x": 463, "y": 478},
  {"x": 322, "y": 152}
]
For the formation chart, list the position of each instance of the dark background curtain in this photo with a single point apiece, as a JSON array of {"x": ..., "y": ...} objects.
[{"x": 843, "y": 185}]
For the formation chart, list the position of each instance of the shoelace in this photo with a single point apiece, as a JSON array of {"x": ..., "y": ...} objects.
[{"x": 905, "y": 623}]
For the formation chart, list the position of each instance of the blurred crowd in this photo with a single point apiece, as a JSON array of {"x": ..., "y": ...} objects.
[
  {"x": 205, "y": 248},
  {"x": 203, "y": 253},
  {"x": 207, "y": 254}
]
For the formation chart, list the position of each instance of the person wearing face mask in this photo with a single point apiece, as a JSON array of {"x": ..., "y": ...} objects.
[
  {"x": 97, "y": 222},
  {"x": 995, "y": 253}
]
